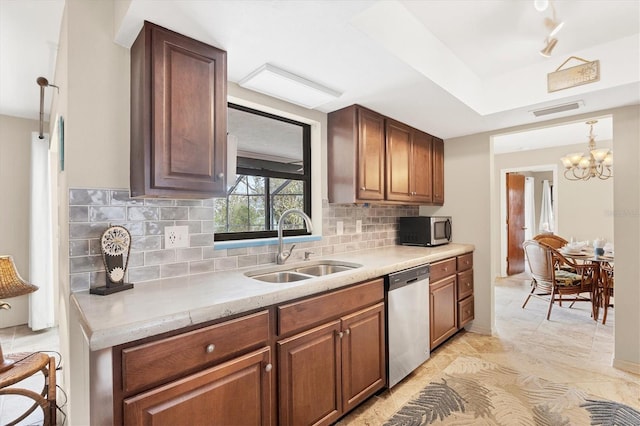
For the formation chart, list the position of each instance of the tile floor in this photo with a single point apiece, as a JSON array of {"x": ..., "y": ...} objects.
[{"x": 570, "y": 348}]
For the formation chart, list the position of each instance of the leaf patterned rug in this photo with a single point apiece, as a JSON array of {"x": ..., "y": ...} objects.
[{"x": 473, "y": 391}]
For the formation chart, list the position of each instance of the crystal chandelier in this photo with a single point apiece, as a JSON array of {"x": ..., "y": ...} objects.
[{"x": 597, "y": 163}]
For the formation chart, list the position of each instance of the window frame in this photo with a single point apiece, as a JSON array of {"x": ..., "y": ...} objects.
[{"x": 305, "y": 177}]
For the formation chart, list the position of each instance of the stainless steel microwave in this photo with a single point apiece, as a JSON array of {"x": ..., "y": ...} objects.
[{"x": 424, "y": 230}]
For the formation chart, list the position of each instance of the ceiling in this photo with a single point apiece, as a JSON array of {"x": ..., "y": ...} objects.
[{"x": 451, "y": 68}]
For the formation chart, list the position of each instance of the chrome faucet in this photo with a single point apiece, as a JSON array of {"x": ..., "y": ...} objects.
[{"x": 284, "y": 255}]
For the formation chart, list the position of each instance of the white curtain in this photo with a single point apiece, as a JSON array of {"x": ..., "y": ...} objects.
[
  {"x": 529, "y": 208},
  {"x": 41, "y": 302},
  {"x": 546, "y": 223}
]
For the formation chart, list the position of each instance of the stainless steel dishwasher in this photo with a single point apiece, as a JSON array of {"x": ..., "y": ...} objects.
[{"x": 407, "y": 321}]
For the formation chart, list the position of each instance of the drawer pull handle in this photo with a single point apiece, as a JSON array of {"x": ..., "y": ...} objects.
[
  {"x": 268, "y": 368},
  {"x": 210, "y": 348}
]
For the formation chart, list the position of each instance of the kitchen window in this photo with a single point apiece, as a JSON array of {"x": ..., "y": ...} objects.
[{"x": 273, "y": 174}]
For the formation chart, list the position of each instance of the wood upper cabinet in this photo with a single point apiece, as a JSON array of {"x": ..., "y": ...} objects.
[
  {"x": 178, "y": 116},
  {"x": 356, "y": 153},
  {"x": 438, "y": 170},
  {"x": 327, "y": 370},
  {"x": 372, "y": 158},
  {"x": 408, "y": 173}
]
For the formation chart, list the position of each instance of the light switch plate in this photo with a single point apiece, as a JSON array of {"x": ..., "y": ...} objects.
[
  {"x": 176, "y": 236},
  {"x": 339, "y": 227},
  {"x": 358, "y": 226}
]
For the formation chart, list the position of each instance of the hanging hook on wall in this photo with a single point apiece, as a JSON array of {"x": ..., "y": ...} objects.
[{"x": 43, "y": 82}]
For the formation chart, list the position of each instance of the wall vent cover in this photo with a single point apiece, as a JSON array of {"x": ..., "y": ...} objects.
[{"x": 558, "y": 108}]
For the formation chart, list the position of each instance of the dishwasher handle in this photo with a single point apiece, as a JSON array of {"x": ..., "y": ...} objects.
[{"x": 409, "y": 276}]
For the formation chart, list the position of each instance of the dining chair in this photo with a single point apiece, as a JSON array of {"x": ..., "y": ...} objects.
[
  {"x": 551, "y": 282},
  {"x": 606, "y": 292},
  {"x": 552, "y": 240}
]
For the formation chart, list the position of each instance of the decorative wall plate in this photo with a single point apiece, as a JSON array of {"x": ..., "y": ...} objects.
[{"x": 115, "y": 245}]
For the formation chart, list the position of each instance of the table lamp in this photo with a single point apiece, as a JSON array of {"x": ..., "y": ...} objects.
[{"x": 11, "y": 285}]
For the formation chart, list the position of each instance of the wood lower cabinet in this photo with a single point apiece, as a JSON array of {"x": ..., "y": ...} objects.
[
  {"x": 444, "y": 310},
  {"x": 326, "y": 371},
  {"x": 237, "y": 392},
  {"x": 178, "y": 116},
  {"x": 451, "y": 297},
  {"x": 220, "y": 374}
]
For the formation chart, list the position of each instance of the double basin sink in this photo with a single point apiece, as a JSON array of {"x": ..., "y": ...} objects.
[{"x": 311, "y": 269}]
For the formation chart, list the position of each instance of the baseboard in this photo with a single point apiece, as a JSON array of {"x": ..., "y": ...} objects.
[
  {"x": 479, "y": 329},
  {"x": 631, "y": 367}
]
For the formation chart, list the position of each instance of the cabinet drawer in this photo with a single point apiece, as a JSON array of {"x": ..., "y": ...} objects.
[
  {"x": 315, "y": 310},
  {"x": 465, "y": 284},
  {"x": 465, "y": 311},
  {"x": 465, "y": 262},
  {"x": 442, "y": 269},
  {"x": 156, "y": 362}
]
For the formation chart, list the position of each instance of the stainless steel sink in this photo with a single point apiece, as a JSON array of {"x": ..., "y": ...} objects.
[
  {"x": 301, "y": 271},
  {"x": 280, "y": 277},
  {"x": 323, "y": 269}
]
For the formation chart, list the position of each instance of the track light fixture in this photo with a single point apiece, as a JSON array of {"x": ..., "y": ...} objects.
[
  {"x": 553, "y": 25},
  {"x": 551, "y": 43}
]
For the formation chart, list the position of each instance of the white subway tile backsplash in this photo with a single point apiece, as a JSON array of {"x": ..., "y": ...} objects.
[{"x": 91, "y": 211}]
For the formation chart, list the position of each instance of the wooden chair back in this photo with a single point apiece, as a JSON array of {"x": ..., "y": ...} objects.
[
  {"x": 551, "y": 240},
  {"x": 540, "y": 261}
]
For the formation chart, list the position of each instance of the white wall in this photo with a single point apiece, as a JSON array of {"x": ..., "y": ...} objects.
[
  {"x": 15, "y": 164},
  {"x": 584, "y": 208},
  {"x": 471, "y": 198}
]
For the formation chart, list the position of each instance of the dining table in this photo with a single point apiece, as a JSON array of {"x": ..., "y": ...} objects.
[{"x": 601, "y": 284}]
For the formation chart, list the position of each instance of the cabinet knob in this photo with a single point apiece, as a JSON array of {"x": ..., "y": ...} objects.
[
  {"x": 268, "y": 368},
  {"x": 348, "y": 331},
  {"x": 362, "y": 188},
  {"x": 446, "y": 269},
  {"x": 210, "y": 348},
  {"x": 340, "y": 334},
  {"x": 220, "y": 176},
  {"x": 468, "y": 284}
]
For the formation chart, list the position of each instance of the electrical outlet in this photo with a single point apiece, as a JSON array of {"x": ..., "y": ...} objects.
[
  {"x": 176, "y": 236},
  {"x": 339, "y": 227},
  {"x": 358, "y": 226}
]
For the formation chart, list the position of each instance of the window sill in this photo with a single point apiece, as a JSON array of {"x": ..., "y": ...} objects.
[{"x": 222, "y": 245}]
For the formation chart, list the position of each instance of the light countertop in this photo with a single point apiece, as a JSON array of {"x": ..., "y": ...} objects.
[{"x": 155, "y": 307}]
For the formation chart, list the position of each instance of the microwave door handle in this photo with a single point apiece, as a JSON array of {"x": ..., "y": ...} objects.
[{"x": 447, "y": 229}]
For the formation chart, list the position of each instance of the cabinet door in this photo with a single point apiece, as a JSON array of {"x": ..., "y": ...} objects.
[
  {"x": 178, "y": 116},
  {"x": 363, "y": 355},
  {"x": 444, "y": 307},
  {"x": 309, "y": 377},
  {"x": 371, "y": 148},
  {"x": 399, "y": 162},
  {"x": 421, "y": 166},
  {"x": 237, "y": 392},
  {"x": 438, "y": 170}
]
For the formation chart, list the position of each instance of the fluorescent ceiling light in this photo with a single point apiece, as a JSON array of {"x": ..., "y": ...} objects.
[
  {"x": 284, "y": 85},
  {"x": 558, "y": 108}
]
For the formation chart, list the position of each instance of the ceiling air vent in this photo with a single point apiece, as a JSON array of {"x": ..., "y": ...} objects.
[{"x": 558, "y": 108}]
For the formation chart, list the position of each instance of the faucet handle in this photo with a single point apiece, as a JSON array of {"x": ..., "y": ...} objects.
[
  {"x": 306, "y": 255},
  {"x": 291, "y": 250}
]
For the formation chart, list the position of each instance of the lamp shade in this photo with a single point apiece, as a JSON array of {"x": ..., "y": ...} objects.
[{"x": 11, "y": 284}]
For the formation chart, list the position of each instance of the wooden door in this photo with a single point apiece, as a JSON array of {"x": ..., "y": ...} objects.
[
  {"x": 237, "y": 392},
  {"x": 399, "y": 162},
  {"x": 515, "y": 223},
  {"x": 444, "y": 310},
  {"x": 371, "y": 156},
  {"x": 310, "y": 377},
  {"x": 363, "y": 355},
  {"x": 422, "y": 166},
  {"x": 438, "y": 170}
]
